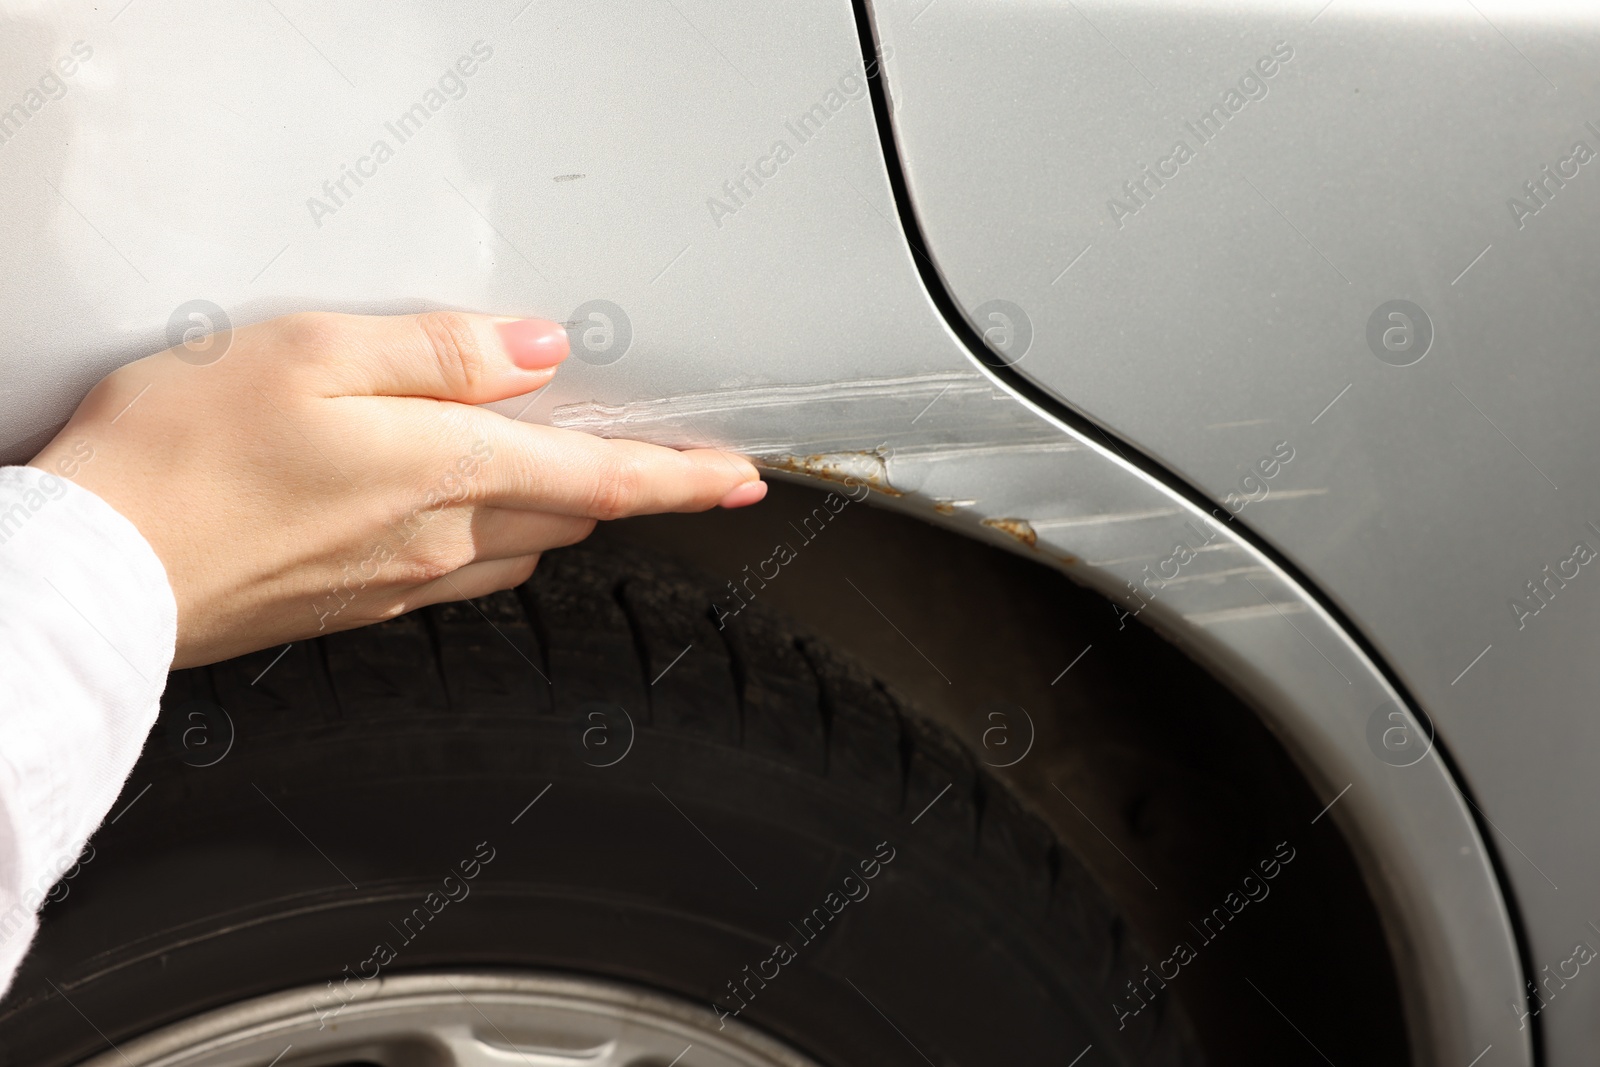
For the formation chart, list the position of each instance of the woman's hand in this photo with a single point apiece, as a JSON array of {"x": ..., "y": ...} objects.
[{"x": 330, "y": 471}]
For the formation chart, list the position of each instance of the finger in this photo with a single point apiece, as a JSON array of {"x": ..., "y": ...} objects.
[
  {"x": 570, "y": 473},
  {"x": 504, "y": 533},
  {"x": 475, "y": 580},
  {"x": 446, "y": 355}
]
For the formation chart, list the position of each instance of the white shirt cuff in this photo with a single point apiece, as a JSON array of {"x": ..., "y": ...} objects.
[{"x": 88, "y": 627}]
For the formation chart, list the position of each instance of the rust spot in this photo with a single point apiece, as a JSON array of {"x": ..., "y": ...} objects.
[
  {"x": 843, "y": 468},
  {"x": 1021, "y": 529},
  {"x": 944, "y": 507}
]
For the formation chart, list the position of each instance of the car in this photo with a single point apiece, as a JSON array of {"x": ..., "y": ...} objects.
[{"x": 1156, "y": 649}]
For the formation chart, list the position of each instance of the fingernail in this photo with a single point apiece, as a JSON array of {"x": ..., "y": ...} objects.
[
  {"x": 534, "y": 344},
  {"x": 744, "y": 495}
]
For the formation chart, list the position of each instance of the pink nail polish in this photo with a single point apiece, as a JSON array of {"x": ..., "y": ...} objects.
[
  {"x": 534, "y": 344},
  {"x": 744, "y": 495}
]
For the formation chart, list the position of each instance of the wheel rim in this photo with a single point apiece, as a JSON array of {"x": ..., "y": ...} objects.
[{"x": 460, "y": 1019}]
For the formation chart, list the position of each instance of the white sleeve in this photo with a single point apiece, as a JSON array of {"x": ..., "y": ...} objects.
[{"x": 87, "y": 630}]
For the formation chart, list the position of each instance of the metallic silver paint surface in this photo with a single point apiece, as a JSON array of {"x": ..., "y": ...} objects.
[
  {"x": 1224, "y": 305},
  {"x": 579, "y": 165}
]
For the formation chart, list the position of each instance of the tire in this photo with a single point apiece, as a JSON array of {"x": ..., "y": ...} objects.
[{"x": 672, "y": 804}]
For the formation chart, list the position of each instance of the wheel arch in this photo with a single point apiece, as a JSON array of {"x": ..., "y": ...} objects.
[
  {"x": 906, "y": 595},
  {"x": 934, "y": 431}
]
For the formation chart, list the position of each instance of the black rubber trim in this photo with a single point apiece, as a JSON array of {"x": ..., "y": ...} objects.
[{"x": 1019, "y": 383}]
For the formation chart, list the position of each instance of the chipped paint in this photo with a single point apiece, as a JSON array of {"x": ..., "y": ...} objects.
[
  {"x": 853, "y": 430},
  {"x": 1021, "y": 529},
  {"x": 844, "y": 468}
]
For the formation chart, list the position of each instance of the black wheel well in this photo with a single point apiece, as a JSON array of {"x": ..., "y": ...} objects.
[{"x": 1151, "y": 769}]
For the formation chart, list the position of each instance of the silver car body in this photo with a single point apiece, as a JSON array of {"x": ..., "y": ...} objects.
[{"x": 1309, "y": 394}]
